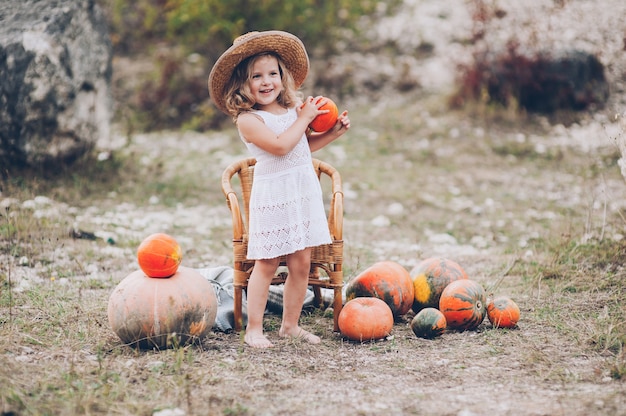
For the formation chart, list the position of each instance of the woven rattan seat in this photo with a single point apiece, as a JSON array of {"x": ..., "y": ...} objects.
[{"x": 326, "y": 260}]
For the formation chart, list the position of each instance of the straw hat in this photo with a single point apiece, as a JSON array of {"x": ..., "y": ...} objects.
[{"x": 290, "y": 49}]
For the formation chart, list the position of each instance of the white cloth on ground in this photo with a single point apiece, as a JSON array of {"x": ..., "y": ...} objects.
[{"x": 222, "y": 279}]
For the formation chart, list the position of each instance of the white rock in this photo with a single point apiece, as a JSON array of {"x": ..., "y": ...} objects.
[{"x": 381, "y": 221}]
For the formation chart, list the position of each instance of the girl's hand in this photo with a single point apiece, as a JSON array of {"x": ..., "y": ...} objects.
[
  {"x": 319, "y": 140},
  {"x": 343, "y": 123},
  {"x": 310, "y": 108}
]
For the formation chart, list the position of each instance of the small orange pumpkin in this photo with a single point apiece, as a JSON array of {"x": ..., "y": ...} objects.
[
  {"x": 386, "y": 280},
  {"x": 428, "y": 323},
  {"x": 463, "y": 303},
  {"x": 161, "y": 313},
  {"x": 430, "y": 277},
  {"x": 325, "y": 122},
  {"x": 503, "y": 312},
  {"x": 365, "y": 319},
  {"x": 159, "y": 255}
]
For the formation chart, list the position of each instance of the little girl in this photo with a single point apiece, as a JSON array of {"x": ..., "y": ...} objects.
[{"x": 256, "y": 81}]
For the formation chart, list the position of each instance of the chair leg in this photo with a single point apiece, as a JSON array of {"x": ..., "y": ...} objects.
[
  {"x": 337, "y": 305},
  {"x": 317, "y": 296},
  {"x": 238, "y": 308}
]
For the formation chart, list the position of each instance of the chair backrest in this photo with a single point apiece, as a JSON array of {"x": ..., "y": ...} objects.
[
  {"x": 244, "y": 170},
  {"x": 326, "y": 257}
]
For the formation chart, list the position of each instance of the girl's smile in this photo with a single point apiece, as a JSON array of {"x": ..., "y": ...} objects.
[{"x": 266, "y": 83}]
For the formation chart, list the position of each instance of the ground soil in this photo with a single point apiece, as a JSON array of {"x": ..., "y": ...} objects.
[{"x": 426, "y": 193}]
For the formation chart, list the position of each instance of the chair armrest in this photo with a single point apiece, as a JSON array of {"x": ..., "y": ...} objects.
[
  {"x": 336, "y": 215},
  {"x": 231, "y": 199},
  {"x": 228, "y": 173},
  {"x": 233, "y": 204}
]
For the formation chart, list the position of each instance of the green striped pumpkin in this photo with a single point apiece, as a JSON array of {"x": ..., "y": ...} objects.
[
  {"x": 428, "y": 323},
  {"x": 463, "y": 303}
]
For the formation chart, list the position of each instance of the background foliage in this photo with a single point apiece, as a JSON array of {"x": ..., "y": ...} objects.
[{"x": 184, "y": 38}]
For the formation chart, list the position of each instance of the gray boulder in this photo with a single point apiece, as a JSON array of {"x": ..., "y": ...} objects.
[{"x": 55, "y": 80}]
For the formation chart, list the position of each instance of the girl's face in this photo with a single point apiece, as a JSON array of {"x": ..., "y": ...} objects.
[{"x": 265, "y": 82}]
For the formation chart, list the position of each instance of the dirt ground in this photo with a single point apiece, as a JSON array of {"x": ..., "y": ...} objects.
[
  {"x": 410, "y": 194},
  {"x": 512, "y": 198}
]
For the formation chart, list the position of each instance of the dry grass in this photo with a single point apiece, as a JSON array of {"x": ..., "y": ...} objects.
[{"x": 488, "y": 194}]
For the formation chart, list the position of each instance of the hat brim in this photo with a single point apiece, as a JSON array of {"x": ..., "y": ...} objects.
[{"x": 290, "y": 49}]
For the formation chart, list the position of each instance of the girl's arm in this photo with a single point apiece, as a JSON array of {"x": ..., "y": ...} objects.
[
  {"x": 319, "y": 140},
  {"x": 254, "y": 130}
]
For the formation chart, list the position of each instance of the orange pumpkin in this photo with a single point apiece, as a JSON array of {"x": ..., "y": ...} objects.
[
  {"x": 386, "y": 280},
  {"x": 503, "y": 312},
  {"x": 463, "y": 303},
  {"x": 159, "y": 255},
  {"x": 430, "y": 277},
  {"x": 161, "y": 313},
  {"x": 325, "y": 122},
  {"x": 365, "y": 319},
  {"x": 428, "y": 323}
]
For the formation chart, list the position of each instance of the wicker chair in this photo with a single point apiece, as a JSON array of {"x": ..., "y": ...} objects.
[{"x": 325, "y": 258}]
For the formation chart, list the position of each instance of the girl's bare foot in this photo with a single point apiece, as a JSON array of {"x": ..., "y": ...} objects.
[
  {"x": 300, "y": 333},
  {"x": 257, "y": 340}
]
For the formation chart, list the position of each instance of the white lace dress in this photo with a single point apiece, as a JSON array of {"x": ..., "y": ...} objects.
[{"x": 286, "y": 206}]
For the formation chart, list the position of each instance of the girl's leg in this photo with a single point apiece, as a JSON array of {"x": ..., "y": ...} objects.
[
  {"x": 296, "y": 285},
  {"x": 258, "y": 288}
]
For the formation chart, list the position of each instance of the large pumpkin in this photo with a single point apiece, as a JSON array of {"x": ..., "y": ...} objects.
[
  {"x": 365, "y": 319},
  {"x": 159, "y": 255},
  {"x": 503, "y": 312},
  {"x": 161, "y": 313},
  {"x": 428, "y": 323},
  {"x": 386, "y": 280},
  {"x": 430, "y": 277},
  {"x": 463, "y": 303}
]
